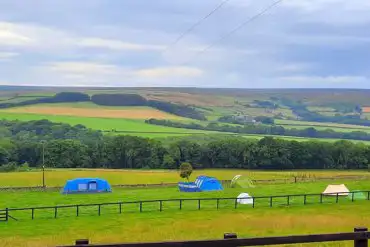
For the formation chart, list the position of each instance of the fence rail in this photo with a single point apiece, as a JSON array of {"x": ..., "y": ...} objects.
[
  {"x": 225, "y": 183},
  {"x": 183, "y": 204},
  {"x": 360, "y": 238}
]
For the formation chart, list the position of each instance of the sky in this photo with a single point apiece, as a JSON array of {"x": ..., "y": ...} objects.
[{"x": 131, "y": 43}]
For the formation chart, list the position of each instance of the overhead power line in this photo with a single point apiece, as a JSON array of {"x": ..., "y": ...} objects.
[
  {"x": 177, "y": 40},
  {"x": 237, "y": 28}
]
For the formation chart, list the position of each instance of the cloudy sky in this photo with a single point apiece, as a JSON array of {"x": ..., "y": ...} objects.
[{"x": 299, "y": 43}]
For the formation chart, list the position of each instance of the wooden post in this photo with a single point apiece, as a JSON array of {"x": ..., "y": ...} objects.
[
  {"x": 180, "y": 204},
  {"x": 99, "y": 209},
  {"x": 230, "y": 236},
  {"x": 337, "y": 199},
  {"x": 55, "y": 212},
  {"x": 321, "y": 198},
  {"x": 82, "y": 242},
  {"x": 236, "y": 203},
  {"x": 77, "y": 211},
  {"x": 6, "y": 214},
  {"x": 361, "y": 242},
  {"x": 253, "y": 202},
  {"x": 33, "y": 212},
  {"x": 160, "y": 205},
  {"x": 271, "y": 202},
  {"x": 288, "y": 200},
  {"x": 120, "y": 208},
  {"x": 304, "y": 199},
  {"x": 141, "y": 207},
  {"x": 198, "y": 204},
  {"x": 218, "y": 203}
]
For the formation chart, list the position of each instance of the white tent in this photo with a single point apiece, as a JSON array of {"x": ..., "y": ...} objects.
[
  {"x": 244, "y": 198},
  {"x": 334, "y": 189}
]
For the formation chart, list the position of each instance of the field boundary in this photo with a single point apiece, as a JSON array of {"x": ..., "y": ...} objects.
[
  {"x": 225, "y": 183},
  {"x": 235, "y": 203},
  {"x": 359, "y": 236}
]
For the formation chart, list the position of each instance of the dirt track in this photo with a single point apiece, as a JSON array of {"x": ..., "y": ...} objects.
[{"x": 134, "y": 113}]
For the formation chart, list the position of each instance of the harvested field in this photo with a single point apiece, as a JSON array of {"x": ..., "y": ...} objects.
[{"x": 131, "y": 113}]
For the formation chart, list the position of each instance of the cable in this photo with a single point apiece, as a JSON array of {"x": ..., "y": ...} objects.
[
  {"x": 177, "y": 40},
  {"x": 239, "y": 27}
]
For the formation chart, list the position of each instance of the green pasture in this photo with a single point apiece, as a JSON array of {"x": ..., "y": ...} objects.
[{"x": 187, "y": 224}]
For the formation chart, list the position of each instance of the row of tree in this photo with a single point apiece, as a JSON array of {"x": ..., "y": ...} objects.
[
  {"x": 112, "y": 100},
  {"x": 22, "y": 143},
  {"x": 266, "y": 130},
  {"x": 301, "y": 110}
]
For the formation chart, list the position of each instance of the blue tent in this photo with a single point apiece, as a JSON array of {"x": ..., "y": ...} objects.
[
  {"x": 86, "y": 185},
  {"x": 202, "y": 183}
]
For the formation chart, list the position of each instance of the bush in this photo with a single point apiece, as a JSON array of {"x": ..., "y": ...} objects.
[
  {"x": 186, "y": 170},
  {"x": 10, "y": 167}
]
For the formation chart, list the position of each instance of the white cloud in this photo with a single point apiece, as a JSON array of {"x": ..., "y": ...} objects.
[
  {"x": 169, "y": 72},
  {"x": 11, "y": 35},
  {"x": 117, "y": 45},
  {"x": 336, "y": 81},
  {"x": 7, "y": 55},
  {"x": 83, "y": 68}
]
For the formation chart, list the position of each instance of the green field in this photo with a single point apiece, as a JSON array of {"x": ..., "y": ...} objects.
[{"x": 173, "y": 224}]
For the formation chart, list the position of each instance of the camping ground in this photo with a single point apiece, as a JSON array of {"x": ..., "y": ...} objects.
[{"x": 189, "y": 223}]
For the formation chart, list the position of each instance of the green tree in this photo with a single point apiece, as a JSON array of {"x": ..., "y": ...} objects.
[{"x": 186, "y": 170}]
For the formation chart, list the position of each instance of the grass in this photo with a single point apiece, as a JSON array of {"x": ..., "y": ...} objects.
[
  {"x": 59, "y": 176},
  {"x": 173, "y": 224},
  {"x": 97, "y": 123},
  {"x": 89, "y": 111}
]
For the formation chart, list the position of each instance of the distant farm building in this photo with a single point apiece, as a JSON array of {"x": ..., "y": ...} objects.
[{"x": 86, "y": 185}]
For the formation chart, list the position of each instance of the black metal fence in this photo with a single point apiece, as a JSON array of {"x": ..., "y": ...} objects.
[
  {"x": 178, "y": 204},
  {"x": 359, "y": 238}
]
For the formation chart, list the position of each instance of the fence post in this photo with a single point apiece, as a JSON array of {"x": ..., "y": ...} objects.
[
  {"x": 141, "y": 206},
  {"x": 82, "y": 242},
  {"x": 270, "y": 201},
  {"x": 198, "y": 204},
  {"x": 160, "y": 205},
  {"x": 363, "y": 242},
  {"x": 321, "y": 198},
  {"x": 6, "y": 214},
  {"x": 236, "y": 203},
  {"x": 120, "y": 208},
  {"x": 218, "y": 202},
  {"x": 304, "y": 199},
  {"x": 77, "y": 211},
  {"x": 288, "y": 200},
  {"x": 33, "y": 212},
  {"x": 180, "y": 204},
  {"x": 337, "y": 199},
  {"x": 253, "y": 201},
  {"x": 99, "y": 209},
  {"x": 55, "y": 212},
  {"x": 230, "y": 236}
]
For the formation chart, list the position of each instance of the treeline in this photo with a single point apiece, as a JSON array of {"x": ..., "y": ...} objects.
[
  {"x": 245, "y": 119},
  {"x": 301, "y": 110},
  {"x": 113, "y": 100},
  {"x": 137, "y": 100},
  {"x": 260, "y": 129},
  {"x": 63, "y": 97},
  {"x": 23, "y": 144}
]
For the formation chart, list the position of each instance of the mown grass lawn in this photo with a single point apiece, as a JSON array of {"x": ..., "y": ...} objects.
[
  {"x": 58, "y": 177},
  {"x": 187, "y": 224}
]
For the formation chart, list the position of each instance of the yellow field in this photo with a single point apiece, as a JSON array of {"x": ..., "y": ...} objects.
[
  {"x": 59, "y": 177},
  {"x": 128, "y": 113}
]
